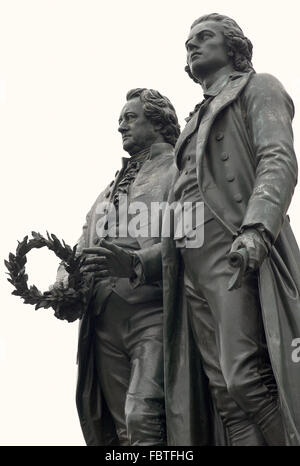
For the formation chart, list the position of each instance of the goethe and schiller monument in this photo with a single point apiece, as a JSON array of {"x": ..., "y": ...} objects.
[{"x": 186, "y": 277}]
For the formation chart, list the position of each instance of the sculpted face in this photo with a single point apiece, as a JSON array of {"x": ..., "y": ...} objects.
[
  {"x": 137, "y": 131},
  {"x": 206, "y": 50}
]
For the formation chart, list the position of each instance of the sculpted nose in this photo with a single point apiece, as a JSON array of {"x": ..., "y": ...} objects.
[
  {"x": 191, "y": 45},
  {"x": 123, "y": 127}
]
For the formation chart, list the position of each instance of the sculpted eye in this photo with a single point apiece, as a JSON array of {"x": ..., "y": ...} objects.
[{"x": 206, "y": 35}]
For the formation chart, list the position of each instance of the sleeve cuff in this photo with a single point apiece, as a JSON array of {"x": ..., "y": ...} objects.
[{"x": 138, "y": 276}]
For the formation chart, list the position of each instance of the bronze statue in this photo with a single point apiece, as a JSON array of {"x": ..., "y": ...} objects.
[
  {"x": 229, "y": 375},
  {"x": 120, "y": 397}
]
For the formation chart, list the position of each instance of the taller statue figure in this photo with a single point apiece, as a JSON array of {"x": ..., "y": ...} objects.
[{"x": 230, "y": 377}]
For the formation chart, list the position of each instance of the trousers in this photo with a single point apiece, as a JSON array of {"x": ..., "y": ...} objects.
[
  {"x": 128, "y": 350},
  {"x": 228, "y": 330}
]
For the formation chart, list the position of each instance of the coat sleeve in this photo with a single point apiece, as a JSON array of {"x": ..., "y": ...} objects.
[
  {"x": 269, "y": 112},
  {"x": 150, "y": 259}
]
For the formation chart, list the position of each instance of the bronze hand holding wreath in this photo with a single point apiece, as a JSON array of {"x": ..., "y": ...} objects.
[{"x": 68, "y": 303}]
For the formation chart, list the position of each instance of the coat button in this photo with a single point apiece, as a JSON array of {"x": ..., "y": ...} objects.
[
  {"x": 96, "y": 241},
  {"x": 238, "y": 197},
  {"x": 111, "y": 183},
  {"x": 117, "y": 172},
  {"x": 224, "y": 156},
  {"x": 219, "y": 136},
  {"x": 230, "y": 177},
  {"x": 107, "y": 194},
  {"x": 186, "y": 172}
]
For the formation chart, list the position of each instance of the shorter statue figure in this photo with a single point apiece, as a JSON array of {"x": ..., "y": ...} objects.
[{"x": 120, "y": 396}]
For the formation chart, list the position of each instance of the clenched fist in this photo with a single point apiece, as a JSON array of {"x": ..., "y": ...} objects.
[{"x": 255, "y": 245}]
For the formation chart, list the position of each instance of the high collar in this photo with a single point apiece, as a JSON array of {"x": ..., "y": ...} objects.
[
  {"x": 158, "y": 148},
  {"x": 143, "y": 154},
  {"x": 219, "y": 84}
]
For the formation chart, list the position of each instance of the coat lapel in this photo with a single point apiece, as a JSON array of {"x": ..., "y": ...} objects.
[
  {"x": 227, "y": 95},
  {"x": 189, "y": 129}
]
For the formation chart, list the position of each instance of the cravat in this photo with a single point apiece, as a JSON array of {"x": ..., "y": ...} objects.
[{"x": 134, "y": 165}]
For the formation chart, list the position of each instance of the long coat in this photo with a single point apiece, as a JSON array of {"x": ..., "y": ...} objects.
[
  {"x": 152, "y": 184},
  {"x": 247, "y": 171}
]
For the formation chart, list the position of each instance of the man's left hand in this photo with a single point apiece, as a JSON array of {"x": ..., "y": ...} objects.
[
  {"x": 255, "y": 246},
  {"x": 108, "y": 260}
]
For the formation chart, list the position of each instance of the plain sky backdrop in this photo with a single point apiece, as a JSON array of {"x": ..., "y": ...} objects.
[{"x": 65, "y": 68}]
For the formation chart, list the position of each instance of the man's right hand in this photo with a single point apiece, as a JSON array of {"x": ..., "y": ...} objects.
[{"x": 109, "y": 260}]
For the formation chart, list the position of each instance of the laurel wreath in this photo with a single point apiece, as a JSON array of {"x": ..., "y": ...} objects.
[{"x": 68, "y": 303}]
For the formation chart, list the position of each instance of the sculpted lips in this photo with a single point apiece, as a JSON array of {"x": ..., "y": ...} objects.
[{"x": 195, "y": 55}]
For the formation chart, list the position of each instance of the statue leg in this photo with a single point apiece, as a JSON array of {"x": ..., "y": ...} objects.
[
  {"x": 144, "y": 407},
  {"x": 241, "y": 430},
  {"x": 245, "y": 361},
  {"x": 240, "y": 342},
  {"x": 129, "y": 358},
  {"x": 112, "y": 364}
]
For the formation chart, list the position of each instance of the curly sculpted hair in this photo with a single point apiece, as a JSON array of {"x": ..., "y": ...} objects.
[{"x": 159, "y": 110}]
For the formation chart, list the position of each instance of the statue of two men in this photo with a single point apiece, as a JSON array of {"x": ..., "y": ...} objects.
[{"x": 229, "y": 377}]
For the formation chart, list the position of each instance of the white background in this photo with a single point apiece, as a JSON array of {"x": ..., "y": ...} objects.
[{"x": 65, "y": 68}]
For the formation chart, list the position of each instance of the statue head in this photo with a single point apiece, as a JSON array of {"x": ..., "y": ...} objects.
[
  {"x": 237, "y": 49},
  {"x": 147, "y": 117}
]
